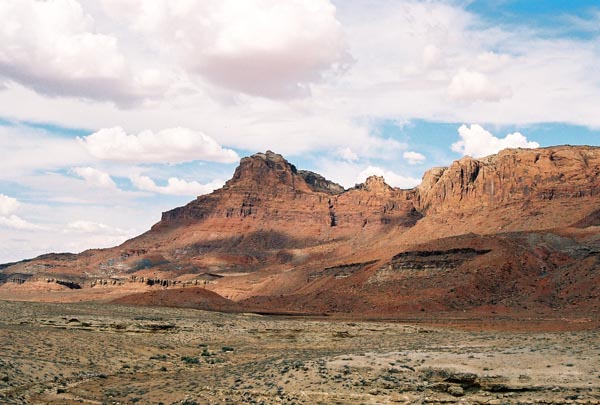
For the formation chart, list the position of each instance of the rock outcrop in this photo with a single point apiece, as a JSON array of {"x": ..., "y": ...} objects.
[
  {"x": 516, "y": 230},
  {"x": 513, "y": 176},
  {"x": 266, "y": 188},
  {"x": 319, "y": 183},
  {"x": 269, "y": 192}
]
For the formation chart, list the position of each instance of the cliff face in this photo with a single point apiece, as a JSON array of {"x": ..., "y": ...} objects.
[
  {"x": 319, "y": 183},
  {"x": 513, "y": 176},
  {"x": 269, "y": 214},
  {"x": 268, "y": 172},
  {"x": 269, "y": 191},
  {"x": 515, "y": 229},
  {"x": 542, "y": 187},
  {"x": 376, "y": 203}
]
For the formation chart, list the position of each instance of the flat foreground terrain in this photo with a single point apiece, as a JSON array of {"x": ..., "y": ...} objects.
[{"x": 91, "y": 353}]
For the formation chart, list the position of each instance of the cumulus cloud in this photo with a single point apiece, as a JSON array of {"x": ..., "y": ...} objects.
[
  {"x": 268, "y": 48},
  {"x": 491, "y": 61},
  {"x": 477, "y": 142},
  {"x": 413, "y": 158},
  {"x": 539, "y": 71},
  {"x": 95, "y": 178},
  {"x": 74, "y": 227},
  {"x": 347, "y": 154},
  {"x": 471, "y": 86},
  {"x": 175, "y": 186},
  {"x": 87, "y": 226},
  {"x": 8, "y": 206},
  {"x": 391, "y": 178},
  {"x": 15, "y": 222},
  {"x": 171, "y": 145},
  {"x": 27, "y": 149},
  {"x": 404, "y": 57},
  {"x": 433, "y": 57},
  {"x": 54, "y": 48}
]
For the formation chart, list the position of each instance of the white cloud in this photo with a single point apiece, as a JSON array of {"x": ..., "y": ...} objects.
[
  {"x": 175, "y": 186},
  {"x": 477, "y": 142},
  {"x": 405, "y": 54},
  {"x": 347, "y": 154},
  {"x": 54, "y": 48},
  {"x": 95, "y": 178},
  {"x": 391, "y": 178},
  {"x": 433, "y": 57},
  {"x": 167, "y": 146},
  {"x": 8, "y": 205},
  {"x": 15, "y": 222},
  {"x": 92, "y": 241},
  {"x": 342, "y": 110},
  {"x": 123, "y": 216},
  {"x": 392, "y": 75},
  {"x": 475, "y": 86},
  {"x": 413, "y": 158},
  {"x": 97, "y": 228},
  {"x": 87, "y": 226},
  {"x": 28, "y": 149},
  {"x": 261, "y": 47},
  {"x": 491, "y": 61}
]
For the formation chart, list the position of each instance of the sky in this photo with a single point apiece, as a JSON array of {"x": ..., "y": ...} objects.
[{"x": 113, "y": 111}]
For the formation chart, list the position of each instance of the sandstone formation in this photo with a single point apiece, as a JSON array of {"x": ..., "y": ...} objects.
[
  {"x": 516, "y": 231},
  {"x": 197, "y": 298},
  {"x": 512, "y": 177}
]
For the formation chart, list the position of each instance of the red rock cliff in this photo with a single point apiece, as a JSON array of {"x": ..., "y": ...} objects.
[
  {"x": 513, "y": 176},
  {"x": 267, "y": 191}
]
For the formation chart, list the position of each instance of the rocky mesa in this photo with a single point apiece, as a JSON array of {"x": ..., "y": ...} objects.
[{"x": 510, "y": 233}]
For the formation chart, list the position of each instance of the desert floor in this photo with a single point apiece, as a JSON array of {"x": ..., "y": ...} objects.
[{"x": 98, "y": 353}]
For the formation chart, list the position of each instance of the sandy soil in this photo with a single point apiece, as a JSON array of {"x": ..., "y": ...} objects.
[{"x": 93, "y": 353}]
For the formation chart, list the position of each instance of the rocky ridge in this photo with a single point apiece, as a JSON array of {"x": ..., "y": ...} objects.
[
  {"x": 279, "y": 237},
  {"x": 511, "y": 177}
]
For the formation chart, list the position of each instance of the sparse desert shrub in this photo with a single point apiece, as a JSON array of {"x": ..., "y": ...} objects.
[
  {"x": 190, "y": 360},
  {"x": 226, "y": 349}
]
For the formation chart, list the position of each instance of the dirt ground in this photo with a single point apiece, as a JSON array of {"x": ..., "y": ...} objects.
[{"x": 108, "y": 354}]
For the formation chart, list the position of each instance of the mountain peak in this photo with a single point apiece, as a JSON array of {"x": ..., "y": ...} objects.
[
  {"x": 267, "y": 169},
  {"x": 285, "y": 238},
  {"x": 272, "y": 171},
  {"x": 269, "y": 156},
  {"x": 375, "y": 184}
]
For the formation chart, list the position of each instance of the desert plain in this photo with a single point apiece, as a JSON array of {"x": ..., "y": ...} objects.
[
  {"x": 71, "y": 353},
  {"x": 480, "y": 286}
]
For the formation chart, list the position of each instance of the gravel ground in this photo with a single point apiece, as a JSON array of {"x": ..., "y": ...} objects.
[{"x": 106, "y": 354}]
